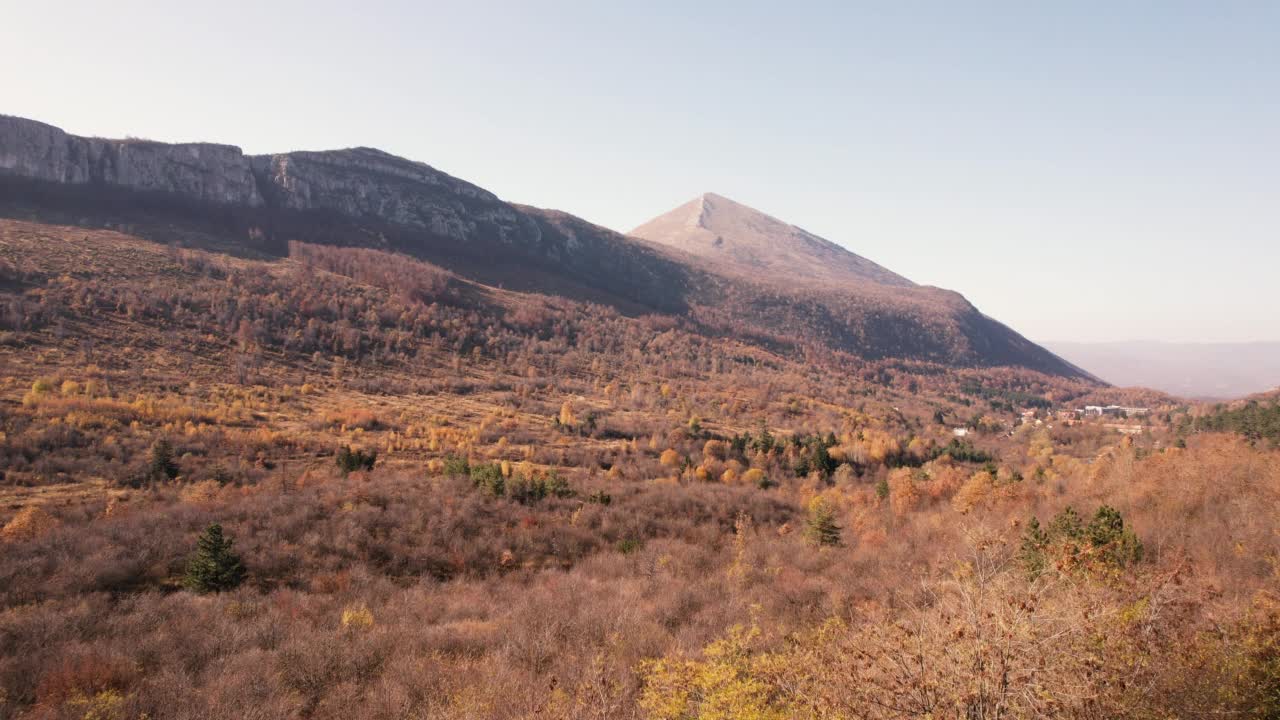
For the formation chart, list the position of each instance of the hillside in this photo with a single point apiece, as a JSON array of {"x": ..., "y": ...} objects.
[
  {"x": 451, "y": 500},
  {"x": 213, "y": 196}
]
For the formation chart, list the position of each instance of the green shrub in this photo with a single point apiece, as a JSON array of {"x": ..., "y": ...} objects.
[
  {"x": 456, "y": 465},
  {"x": 1104, "y": 541},
  {"x": 526, "y": 491},
  {"x": 213, "y": 567},
  {"x": 557, "y": 486},
  {"x": 488, "y": 477},
  {"x": 349, "y": 460}
]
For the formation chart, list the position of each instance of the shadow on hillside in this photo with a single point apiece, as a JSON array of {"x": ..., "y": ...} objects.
[{"x": 264, "y": 234}]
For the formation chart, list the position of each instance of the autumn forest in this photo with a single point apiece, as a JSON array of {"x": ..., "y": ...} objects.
[{"x": 345, "y": 482}]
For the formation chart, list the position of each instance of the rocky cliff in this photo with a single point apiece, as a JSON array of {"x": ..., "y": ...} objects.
[
  {"x": 362, "y": 196},
  {"x": 200, "y": 171},
  {"x": 365, "y": 183}
]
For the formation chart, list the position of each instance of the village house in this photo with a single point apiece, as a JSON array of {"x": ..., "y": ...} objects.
[{"x": 1113, "y": 411}]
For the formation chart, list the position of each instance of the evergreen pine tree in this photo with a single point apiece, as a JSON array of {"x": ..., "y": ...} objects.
[
  {"x": 1106, "y": 527},
  {"x": 821, "y": 528},
  {"x": 1034, "y": 543},
  {"x": 213, "y": 567},
  {"x": 349, "y": 460},
  {"x": 161, "y": 466},
  {"x": 1067, "y": 525},
  {"x": 1115, "y": 543}
]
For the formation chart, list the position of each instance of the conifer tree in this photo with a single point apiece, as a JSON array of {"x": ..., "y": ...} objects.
[
  {"x": 213, "y": 567},
  {"x": 1034, "y": 543},
  {"x": 821, "y": 528},
  {"x": 349, "y": 460},
  {"x": 1067, "y": 525},
  {"x": 161, "y": 465},
  {"x": 1115, "y": 543}
]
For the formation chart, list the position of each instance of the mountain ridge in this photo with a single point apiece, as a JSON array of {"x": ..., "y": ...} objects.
[{"x": 370, "y": 198}]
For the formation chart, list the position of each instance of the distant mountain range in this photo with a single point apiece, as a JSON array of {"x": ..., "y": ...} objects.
[
  {"x": 722, "y": 267},
  {"x": 1190, "y": 370}
]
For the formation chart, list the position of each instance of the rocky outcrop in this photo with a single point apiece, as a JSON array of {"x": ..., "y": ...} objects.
[
  {"x": 368, "y": 184},
  {"x": 34, "y": 150},
  {"x": 359, "y": 183},
  {"x": 362, "y": 196},
  {"x": 200, "y": 171}
]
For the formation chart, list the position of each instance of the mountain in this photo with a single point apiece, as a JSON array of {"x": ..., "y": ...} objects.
[
  {"x": 859, "y": 305},
  {"x": 1192, "y": 370},
  {"x": 780, "y": 288},
  {"x": 742, "y": 240}
]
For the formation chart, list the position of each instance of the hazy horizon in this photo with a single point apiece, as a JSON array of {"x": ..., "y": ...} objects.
[
  {"x": 1087, "y": 173},
  {"x": 1206, "y": 370}
]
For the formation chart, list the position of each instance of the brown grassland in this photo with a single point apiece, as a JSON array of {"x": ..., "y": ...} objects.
[{"x": 553, "y": 509}]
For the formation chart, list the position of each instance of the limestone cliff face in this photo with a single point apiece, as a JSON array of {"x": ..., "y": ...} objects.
[
  {"x": 364, "y": 183},
  {"x": 42, "y": 152},
  {"x": 353, "y": 195},
  {"x": 200, "y": 171},
  {"x": 360, "y": 183}
]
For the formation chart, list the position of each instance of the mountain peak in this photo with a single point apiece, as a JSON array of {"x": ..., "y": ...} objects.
[{"x": 738, "y": 238}]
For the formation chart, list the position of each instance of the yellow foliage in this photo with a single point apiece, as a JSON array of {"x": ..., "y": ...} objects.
[
  {"x": 725, "y": 685},
  {"x": 944, "y": 478},
  {"x": 95, "y": 388},
  {"x": 566, "y": 414},
  {"x": 357, "y": 617},
  {"x": 903, "y": 495},
  {"x": 115, "y": 506},
  {"x": 31, "y": 522},
  {"x": 201, "y": 492},
  {"x": 1040, "y": 449},
  {"x": 670, "y": 458},
  {"x": 977, "y": 491},
  {"x": 105, "y": 705}
]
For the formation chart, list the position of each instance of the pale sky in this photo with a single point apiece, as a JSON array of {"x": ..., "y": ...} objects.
[{"x": 1079, "y": 170}]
